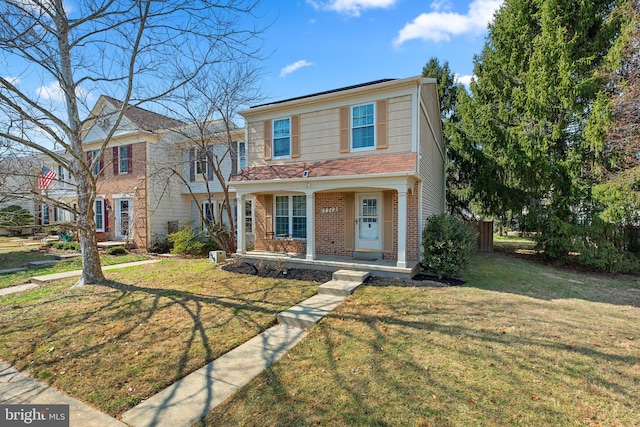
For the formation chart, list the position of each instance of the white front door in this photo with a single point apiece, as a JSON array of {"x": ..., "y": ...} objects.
[
  {"x": 124, "y": 217},
  {"x": 368, "y": 223}
]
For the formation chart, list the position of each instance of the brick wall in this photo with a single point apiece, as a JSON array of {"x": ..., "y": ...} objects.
[{"x": 330, "y": 226}]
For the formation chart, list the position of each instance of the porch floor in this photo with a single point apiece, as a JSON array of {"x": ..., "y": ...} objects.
[{"x": 381, "y": 268}]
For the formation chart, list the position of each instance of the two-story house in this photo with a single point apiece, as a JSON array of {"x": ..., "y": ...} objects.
[
  {"x": 152, "y": 178},
  {"x": 345, "y": 175}
]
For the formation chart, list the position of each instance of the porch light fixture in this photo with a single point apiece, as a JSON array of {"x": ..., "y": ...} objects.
[{"x": 305, "y": 174}]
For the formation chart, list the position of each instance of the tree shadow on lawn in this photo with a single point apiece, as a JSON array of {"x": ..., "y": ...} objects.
[
  {"x": 420, "y": 363},
  {"x": 117, "y": 344}
]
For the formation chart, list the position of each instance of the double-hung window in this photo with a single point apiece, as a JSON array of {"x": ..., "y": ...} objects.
[
  {"x": 98, "y": 166},
  {"x": 201, "y": 163},
  {"x": 123, "y": 159},
  {"x": 242, "y": 155},
  {"x": 99, "y": 214},
  {"x": 248, "y": 216},
  {"x": 362, "y": 127},
  {"x": 282, "y": 138},
  {"x": 291, "y": 216}
]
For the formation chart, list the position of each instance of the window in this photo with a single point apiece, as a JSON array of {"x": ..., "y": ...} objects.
[
  {"x": 98, "y": 167},
  {"x": 99, "y": 214},
  {"x": 282, "y": 138},
  {"x": 242, "y": 155},
  {"x": 201, "y": 164},
  {"x": 45, "y": 215},
  {"x": 208, "y": 209},
  {"x": 60, "y": 173},
  {"x": 248, "y": 216},
  {"x": 123, "y": 159},
  {"x": 362, "y": 127},
  {"x": 291, "y": 216}
]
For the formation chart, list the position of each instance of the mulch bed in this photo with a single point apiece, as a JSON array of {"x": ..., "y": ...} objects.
[{"x": 322, "y": 276}]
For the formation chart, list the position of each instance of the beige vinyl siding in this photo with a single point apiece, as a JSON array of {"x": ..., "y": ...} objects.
[
  {"x": 165, "y": 204},
  {"x": 320, "y": 134},
  {"x": 431, "y": 161}
]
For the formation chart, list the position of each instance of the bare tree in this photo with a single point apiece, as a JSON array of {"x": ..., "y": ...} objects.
[
  {"x": 140, "y": 51},
  {"x": 208, "y": 145}
]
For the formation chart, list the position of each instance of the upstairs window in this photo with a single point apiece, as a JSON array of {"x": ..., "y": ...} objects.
[
  {"x": 201, "y": 163},
  {"x": 242, "y": 155},
  {"x": 282, "y": 138},
  {"x": 97, "y": 169},
  {"x": 362, "y": 127},
  {"x": 124, "y": 159}
]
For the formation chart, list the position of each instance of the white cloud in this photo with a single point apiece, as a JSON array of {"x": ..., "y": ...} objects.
[
  {"x": 54, "y": 92},
  {"x": 351, "y": 7},
  {"x": 441, "y": 25},
  {"x": 465, "y": 80},
  {"x": 13, "y": 80},
  {"x": 294, "y": 67}
]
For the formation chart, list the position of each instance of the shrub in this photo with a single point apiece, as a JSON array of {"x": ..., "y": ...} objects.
[
  {"x": 186, "y": 242},
  {"x": 65, "y": 246},
  {"x": 15, "y": 216},
  {"x": 447, "y": 245},
  {"x": 116, "y": 250}
]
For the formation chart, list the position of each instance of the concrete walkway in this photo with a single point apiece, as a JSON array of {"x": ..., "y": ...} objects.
[
  {"x": 75, "y": 273},
  {"x": 192, "y": 397},
  {"x": 18, "y": 388}
]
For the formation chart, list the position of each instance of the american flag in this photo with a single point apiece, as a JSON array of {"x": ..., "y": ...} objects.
[{"x": 46, "y": 178}]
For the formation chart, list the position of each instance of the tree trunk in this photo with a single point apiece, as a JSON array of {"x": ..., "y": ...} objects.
[{"x": 91, "y": 268}]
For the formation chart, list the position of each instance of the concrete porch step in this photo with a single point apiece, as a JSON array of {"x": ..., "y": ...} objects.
[
  {"x": 341, "y": 288},
  {"x": 309, "y": 312},
  {"x": 350, "y": 275}
]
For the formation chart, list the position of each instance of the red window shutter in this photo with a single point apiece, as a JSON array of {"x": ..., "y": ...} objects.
[
  {"x": 130, "y": 158},
  {"x": 344, "y": 130},
  {"x": 295, "y": 136},
  {"x": 116, "y": 160},
  {"x": 267, "y": 139},
  {"x": 381, "y": 124}
]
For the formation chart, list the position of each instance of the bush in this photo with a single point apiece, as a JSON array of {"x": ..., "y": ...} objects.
[
  {"x": 15, "y": 216},
  {"x": 117, "y": 250},
  {"x": 186, "y": 242},
  {"x": 65, "y": 246},
  {"x": 447, "y": 245}
]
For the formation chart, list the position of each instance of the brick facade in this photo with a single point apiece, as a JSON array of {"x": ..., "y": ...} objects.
[{"x": 110, "y": 184}]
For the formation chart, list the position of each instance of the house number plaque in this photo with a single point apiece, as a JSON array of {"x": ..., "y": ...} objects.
[{"x": 328, "y": 210}]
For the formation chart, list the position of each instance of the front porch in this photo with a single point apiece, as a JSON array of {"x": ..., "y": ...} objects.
[{"x": 381, "y": 268}]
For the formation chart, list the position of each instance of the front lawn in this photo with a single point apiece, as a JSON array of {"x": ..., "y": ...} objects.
[
  {"x": 112, "y": 346},
  {"x": 520, "y": 344}
]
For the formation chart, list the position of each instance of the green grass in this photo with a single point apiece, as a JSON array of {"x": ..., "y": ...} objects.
[
  {"x": 113, "y": 346},
  {"x": 520, "y": 344}
]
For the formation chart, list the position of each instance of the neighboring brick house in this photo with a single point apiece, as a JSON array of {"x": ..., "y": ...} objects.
[
  {"x": 352, "y": 172},
  {"x": 148, "y": 176}
]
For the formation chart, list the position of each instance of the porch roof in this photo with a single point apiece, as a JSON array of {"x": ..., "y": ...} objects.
[{"x": 353, "y": 166}]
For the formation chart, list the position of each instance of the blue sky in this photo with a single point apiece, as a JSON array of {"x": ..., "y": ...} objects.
[{"x": 320, "y": 45}]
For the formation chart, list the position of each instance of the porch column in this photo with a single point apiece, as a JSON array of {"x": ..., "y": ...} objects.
[
  {"x": 311, "y": 225},
  {"x": 402, "y": 229},
  {"x": 242, "y": 238}
]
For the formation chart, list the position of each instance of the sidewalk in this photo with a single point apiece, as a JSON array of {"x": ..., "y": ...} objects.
[
  {"x": 74, "y": 273},
  {"x": 18, "y": 388}
]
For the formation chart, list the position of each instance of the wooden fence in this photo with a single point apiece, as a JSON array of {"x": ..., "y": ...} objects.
[{"x": 485, "y": 235}]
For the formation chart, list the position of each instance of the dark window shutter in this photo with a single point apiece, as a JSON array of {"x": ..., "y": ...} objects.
[
  {"x": 268, "y": 214},
  {"x": 381, "y": 124},
  {"x": 130, "y": 158},
  {"x": 295, "y": 136},
  {"x": 102, "y": 165},
  {"x": 192, "y": 170},
  {"x": 344, "y": 130},
  {"x": 267, "y": 139},
  {"x": 210, "y": 163},
  {"x": 234, "y": 158},
  {"x": 116, "y": 160}
]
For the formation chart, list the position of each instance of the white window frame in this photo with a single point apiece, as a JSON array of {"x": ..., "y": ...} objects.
[
  {"x": 201, "y": 163},
  {"x": 273, "y": 138},
  {"x": 248, "y": 216},
  {"x": 352, "y": 127},
  {"x": 242, "y": 155},
  {"x": 290, "y": 215},
  {"x": 46, "y": 215},
  {"x": 123, "y": 158},
  {"x": 96, "y": 203},
  {"x": 95, "y": 154}
]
